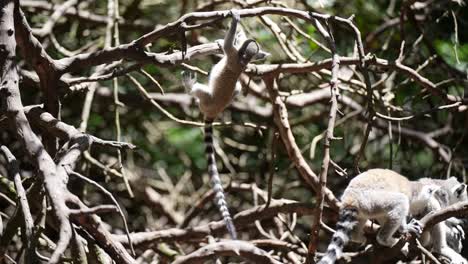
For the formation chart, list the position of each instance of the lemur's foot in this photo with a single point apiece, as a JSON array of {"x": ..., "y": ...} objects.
[
  {"x": 456, "y": 230},
  {"x": 460, "y": 233},
  {"x": 405, "y": 249},
  {"x": 415, "y": 227}
]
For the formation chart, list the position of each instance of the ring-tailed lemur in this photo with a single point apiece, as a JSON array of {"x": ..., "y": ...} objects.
[
  {"x": 456, "y": 233},
  {"x": 213, "y": 98},
  {"x": 441, "y": 236},
  {"x": 385, "y": 196}
]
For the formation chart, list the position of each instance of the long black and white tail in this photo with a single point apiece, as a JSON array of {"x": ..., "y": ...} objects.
[
  {"x": 217, "y": 186},
  {"x": 346, "y": 222}
]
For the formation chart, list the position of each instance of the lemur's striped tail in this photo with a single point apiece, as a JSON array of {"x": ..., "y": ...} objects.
[
  {"x": 346, "y": 222},
  {"x": 217, "y": 186}
]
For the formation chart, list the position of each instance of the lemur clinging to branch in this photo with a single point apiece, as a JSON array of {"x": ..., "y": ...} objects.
[
  {"x": 213, "y": 98},
  {"x": 438, "y": 237},
  {"x": 385, "y": 196}
]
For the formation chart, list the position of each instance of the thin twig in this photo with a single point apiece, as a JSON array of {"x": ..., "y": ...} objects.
[
  {"x": 28, "y": 237},
  {"x": 313, "y": 243}
]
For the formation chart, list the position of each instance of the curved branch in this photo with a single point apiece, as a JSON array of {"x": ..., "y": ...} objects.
[{"x": 459, "y": 209}]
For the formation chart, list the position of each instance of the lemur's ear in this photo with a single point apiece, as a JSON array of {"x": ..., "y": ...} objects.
[
  {"x": 460, "y": 189},
  {"x": 261, "y": 55}
]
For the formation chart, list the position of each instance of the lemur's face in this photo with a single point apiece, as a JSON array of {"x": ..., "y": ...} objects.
[
  {"x": 456, "y": 190},
  {"x": 250, "y": 51},
  {"x": 432, "y": 190},
  {"x": 442, "y": 196}
]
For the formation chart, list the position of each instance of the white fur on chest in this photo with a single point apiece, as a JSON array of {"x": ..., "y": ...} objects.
[{"x": 222, "y": 84}]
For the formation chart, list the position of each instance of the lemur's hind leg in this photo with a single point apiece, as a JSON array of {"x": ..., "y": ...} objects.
[
  {"x": 396, "y": 220},
  {"x": 438, "y": 236},
  {"x": 455, "y": 233},
  {"x": 357, "y": 234},
  {"x": 386, "y": 231}
]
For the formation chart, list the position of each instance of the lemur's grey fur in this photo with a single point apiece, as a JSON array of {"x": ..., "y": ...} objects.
[
  {"x": 213, "y": 98},
  {"x": 385, "y": 196},
  {"x": 456, "y": 233},
  {"x": 441, "y": 236}
]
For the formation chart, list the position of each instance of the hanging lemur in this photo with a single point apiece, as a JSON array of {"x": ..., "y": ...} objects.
[
  {"x": 389, "y": 198},
  {"x": 213, "y": 98}
]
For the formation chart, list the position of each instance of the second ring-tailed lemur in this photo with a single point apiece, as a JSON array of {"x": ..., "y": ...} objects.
[
  {"x": 213, "y": 98},
  {"x": 385, "y": 196},
  {"x": 455, "y": 233},
  {"x": 439, "y": 238}
]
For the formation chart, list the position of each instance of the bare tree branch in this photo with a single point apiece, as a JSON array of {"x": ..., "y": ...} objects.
[{"x": 239, "y": 248}]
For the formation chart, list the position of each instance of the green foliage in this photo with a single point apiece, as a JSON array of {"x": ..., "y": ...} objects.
[
  {"x": 455, "y": 55},
  {"x": 95, "y": 122},
  {"x": 189, "y": 140}
]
